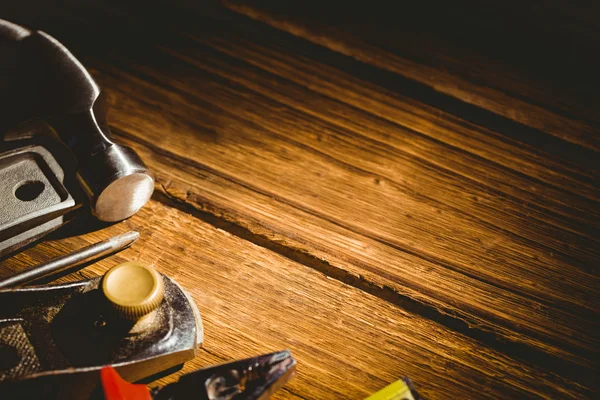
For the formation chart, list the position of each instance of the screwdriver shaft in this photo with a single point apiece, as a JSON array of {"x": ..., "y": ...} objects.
[{"x": 71, "y": 260}]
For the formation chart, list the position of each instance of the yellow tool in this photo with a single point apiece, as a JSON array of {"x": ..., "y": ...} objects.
[{"x": 402, "y": 389}]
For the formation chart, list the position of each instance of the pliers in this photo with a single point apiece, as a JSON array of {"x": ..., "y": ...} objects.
[{"x": 255, "y": 378}]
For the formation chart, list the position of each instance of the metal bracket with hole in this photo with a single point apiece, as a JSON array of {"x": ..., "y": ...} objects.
[{"x": 33, "y": 197}]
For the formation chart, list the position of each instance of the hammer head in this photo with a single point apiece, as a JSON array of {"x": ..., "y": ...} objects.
[
  {"x": 116, "y": 181},
  {"x": 42, "y": 80}
]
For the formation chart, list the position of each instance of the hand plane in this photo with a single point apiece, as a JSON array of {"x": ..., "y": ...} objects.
[
  {"x": 45, "y": 89},
  {"x": 55, "y": 339}
]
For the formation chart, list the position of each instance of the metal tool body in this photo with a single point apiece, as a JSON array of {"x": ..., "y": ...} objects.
[
  {"x": 250, "y": 379},
  {"x": 41, "y": 80},
  {"x": 255, "y": 378},
  {"x": 55, "y": 339},
  {"x": 35, "y": 195}
]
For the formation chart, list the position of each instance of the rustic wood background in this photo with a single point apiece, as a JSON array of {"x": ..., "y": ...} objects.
[{"x": 385, "y": 194}]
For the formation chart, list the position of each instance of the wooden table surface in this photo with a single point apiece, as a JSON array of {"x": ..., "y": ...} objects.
[{"x": 385, "y": 197}]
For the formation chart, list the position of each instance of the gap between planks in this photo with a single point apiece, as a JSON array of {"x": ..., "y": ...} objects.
[
  {"x": 446, "y": 318},
  {"x": 123, "y": 105},
  {"x": 139, "y": 142},
  {"x": 348, "y": 343}
]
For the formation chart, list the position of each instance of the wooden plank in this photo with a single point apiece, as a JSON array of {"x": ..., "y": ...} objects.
[
  {"x": 254, "y": 300},
  {"x": 371, "y": 265},
  {"x": 307, "y": 155},
  {"x": 253, "y": 169},
  {"x": 327, "y": 192},
  {"x": 419, "y": 48},
  {"x": 394, "y": 144},
  {"x": 398, "y": 111}
]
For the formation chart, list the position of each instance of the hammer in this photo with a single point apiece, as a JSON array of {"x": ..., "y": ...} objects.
[{"x": 41, "y": 80}]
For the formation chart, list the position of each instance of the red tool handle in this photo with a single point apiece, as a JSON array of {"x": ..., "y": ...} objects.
[{"x": 116, "y": 388}]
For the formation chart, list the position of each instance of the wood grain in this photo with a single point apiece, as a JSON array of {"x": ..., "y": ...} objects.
[
  {"x": 233, "y": 149},
  {"x": 254, "y": 301},
  {"x": 386, "y": 272},
  {"x": 557, "y": 37},
  {"x": 376, "y": 205}
]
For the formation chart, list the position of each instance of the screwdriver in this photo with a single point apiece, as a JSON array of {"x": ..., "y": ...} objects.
[{"x": 59, "y": 264}]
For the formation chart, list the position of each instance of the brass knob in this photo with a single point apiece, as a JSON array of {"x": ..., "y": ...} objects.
[{"x": 133, "y": 289}]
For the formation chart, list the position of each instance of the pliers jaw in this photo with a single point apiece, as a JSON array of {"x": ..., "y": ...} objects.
[{"x": 255, "y": 378}]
